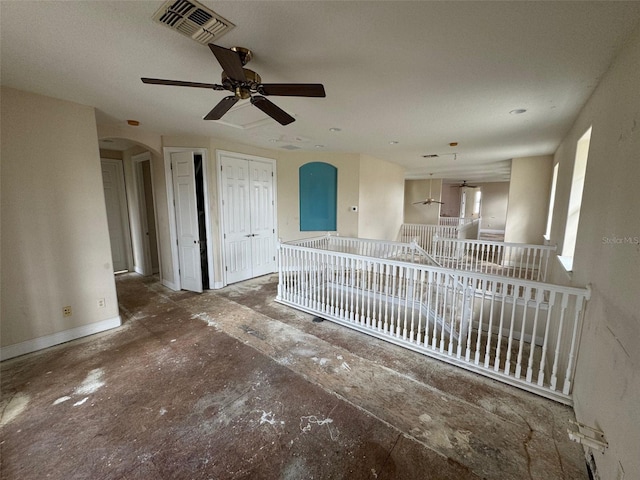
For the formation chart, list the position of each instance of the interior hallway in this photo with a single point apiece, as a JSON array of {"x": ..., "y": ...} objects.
[{"x": 229, "y": 384}]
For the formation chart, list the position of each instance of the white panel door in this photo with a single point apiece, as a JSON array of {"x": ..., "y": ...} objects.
[
  {"x": 262, "y": 218},
  {"x": 113, "y": 182},
  {"x": 249, "y": 218},
  {"x": 236, "y": 209},
  {"x": 184, "y": 193}
]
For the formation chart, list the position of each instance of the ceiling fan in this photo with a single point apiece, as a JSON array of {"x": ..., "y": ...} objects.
[
  {"x": 245, "y": 83},
  {"x": 464, "y": 184},
  {"x": 429, "y": 200}
]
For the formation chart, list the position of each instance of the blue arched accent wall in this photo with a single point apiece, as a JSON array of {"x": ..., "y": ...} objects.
[{"x": 318, "y": 197}]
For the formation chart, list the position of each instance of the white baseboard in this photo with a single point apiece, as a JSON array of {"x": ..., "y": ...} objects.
[{"x": 57, "y": 338}]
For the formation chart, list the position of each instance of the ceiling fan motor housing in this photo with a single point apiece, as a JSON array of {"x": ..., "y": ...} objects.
[
  {"x": 244, "y": 53},
  {"x": 242, "y": 90}
]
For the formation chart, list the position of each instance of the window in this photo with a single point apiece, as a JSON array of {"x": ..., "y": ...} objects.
[
  {"x": 575, "y": 200},
  {"x": 318, "y": 197},
  {"x": 476, "y": 203},
  {"x": 552, "y": 199}
]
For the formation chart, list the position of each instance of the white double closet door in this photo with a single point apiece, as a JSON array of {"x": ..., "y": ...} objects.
[{"x": 248, "y": 209}]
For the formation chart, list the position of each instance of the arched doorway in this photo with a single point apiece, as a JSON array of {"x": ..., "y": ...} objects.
[{"x": 131, "y": 204}]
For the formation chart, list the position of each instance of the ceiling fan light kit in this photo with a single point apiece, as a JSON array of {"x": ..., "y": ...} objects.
[
  {"x": 429, "y": 200},
  {"x": 245, "y": 84}
]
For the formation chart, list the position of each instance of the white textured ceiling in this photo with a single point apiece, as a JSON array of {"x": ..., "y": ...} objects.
[{"x": 421, "y": 73}]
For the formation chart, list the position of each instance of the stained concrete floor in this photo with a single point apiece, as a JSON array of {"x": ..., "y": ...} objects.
[{"x": 229, "y": 384}]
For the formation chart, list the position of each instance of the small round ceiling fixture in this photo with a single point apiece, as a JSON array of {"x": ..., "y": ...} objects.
[
  {"x": 335, "y": 129},
  {"x": 319, "y": 146},
  {"x": 394, "y": 142},
  {"x": 133, "y": 123},
  {"x": 518, "y": 111},
  {"x": 453, "y": 144}
]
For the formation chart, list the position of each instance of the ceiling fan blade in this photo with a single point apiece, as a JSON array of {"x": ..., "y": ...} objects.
[
  {"x": 221, "y": 108},
  {"x": 293, "y": 89},
  {"x": 271, "y": 109},
  {"x": 178, "y": 83},
  {"x": 230, "y": 62},
  {"x": 418, "y": 203}
]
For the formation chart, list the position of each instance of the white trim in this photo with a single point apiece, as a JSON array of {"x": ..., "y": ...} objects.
[
  {"x": 173, "y": 234},
  {"x": 171, "y": 213},
  {"x": 218, "y": 285},
  {"x": 138, "y": 186},
  {"x": 57, "y": 338},
  {"x": 243, "y": 156},
  {"x": 207, "y": 216}
]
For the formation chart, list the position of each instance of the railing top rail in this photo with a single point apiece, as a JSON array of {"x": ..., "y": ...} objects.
[
  {"x": 423, "y": 252},
  {"x": 517, "y": 282},
  {"x": 427, "y": 225},
  {"x": 336, "y": 238},
  {"x": 306, "y": 240},
  {"x": 495, "y": 242},
  {"x": 372, "y": 240}
]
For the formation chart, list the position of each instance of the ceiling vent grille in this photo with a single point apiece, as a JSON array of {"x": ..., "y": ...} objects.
[{"x": 193, "y": 20}]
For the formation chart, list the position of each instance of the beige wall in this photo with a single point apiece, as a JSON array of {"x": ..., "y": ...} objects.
[
  {"x": 528, "y": 199},
  {"x": 212, "y": 146},
  {"x": 493, "y": 209},
  {"x": 416, "y": 190},
  {"x": 348, "y": 166},
  {"x": 55, "y": 238},
  {"x": 152, "y": 143},
  {"x": 451, "y": 199},
  {"x": 607, "y": 384},
  {"x": 381, "y": 199},
  {"x": 111, "y": 154},
  {"x": 287, "y": 165}
]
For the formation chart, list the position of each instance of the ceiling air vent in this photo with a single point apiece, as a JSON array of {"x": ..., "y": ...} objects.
[{"x": 193, "y": 20}]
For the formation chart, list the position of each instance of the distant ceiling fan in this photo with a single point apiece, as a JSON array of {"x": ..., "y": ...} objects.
[
  {"x": 245, "y": 83},
  {"x": 429, "y": 200},
  {"x": 464, "y": 184}
]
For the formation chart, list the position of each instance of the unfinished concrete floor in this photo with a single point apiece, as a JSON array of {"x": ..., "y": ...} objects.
[{"x": 229, "y": 384}]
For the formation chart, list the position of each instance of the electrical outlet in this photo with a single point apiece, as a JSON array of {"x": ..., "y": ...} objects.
[
  {"x": 66, "y": 311},
  {"x": 101, "y": 303}
]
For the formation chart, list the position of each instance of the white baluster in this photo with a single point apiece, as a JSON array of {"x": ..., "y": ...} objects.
[
  {"x": 523, "y": 331},
  {"x": 568, "y": 377},
  {"x": 538, "y": 301},
  {"x": 556, "y": 359}
]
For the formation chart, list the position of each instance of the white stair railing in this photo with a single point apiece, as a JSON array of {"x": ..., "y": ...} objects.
[
  {"x": 408, "y": 252},
  {"x": 423, "y": 234},
  {"x": 514, "y": 260},
  {"x": 520, "y": 332}
]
